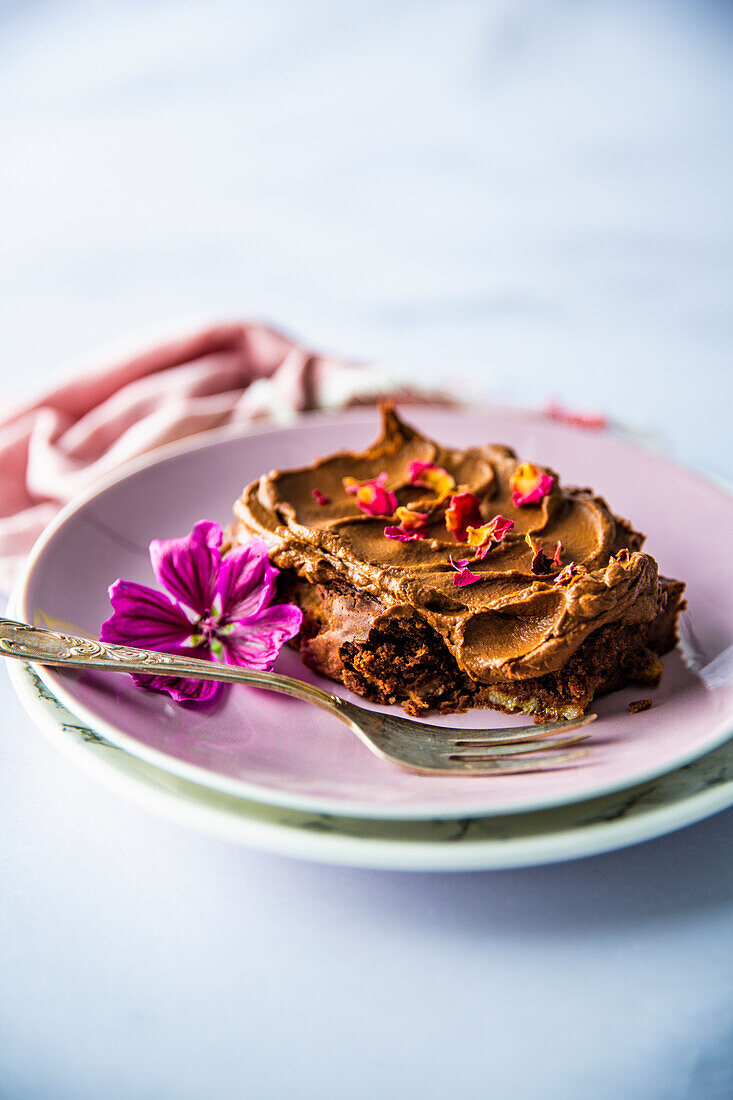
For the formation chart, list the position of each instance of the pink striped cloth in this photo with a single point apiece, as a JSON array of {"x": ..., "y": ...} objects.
[{"x": 115, "y": 410}]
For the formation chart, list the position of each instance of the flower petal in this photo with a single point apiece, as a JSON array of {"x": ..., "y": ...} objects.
[
  {"x": 529, "y": 485},
  {"x": 567, "y": 573},
  {"x": 409, "y": 519},
  {"x": 246, "y": 581},
  {"x": 255, "y": 642},
  {"x": 430, "y": 476},
  {"x": 147, "y": 619},
  {"x": 542, "y": 564},
  {"x": 372, "y": 496},
  {"x": 403, "y": 535},
  {"x": 462, "y": 513},
  {"x": 596, "y": 421},
  {"x": 463, "y": 575},
  {"x": 488, "y": 535},
  {"x": 181, "y": 688},
  {"x": 143, "y": 617},
  {"x": 189, "y": 567},
  {"x": 410, "y": 526}
]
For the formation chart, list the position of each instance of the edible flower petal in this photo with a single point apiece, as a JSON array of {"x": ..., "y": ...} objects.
[
  {"x": 463, "y": 512},
  {"x": 596, "y": 421},
  {"x": 151, "y": 618},
  {"x": 372, "y": 496},
  {"x": 430, "y": 476},
  {"x": 487, "y": 536},
  {"x": 189, "y": 567},
  {"x": 463, "y": 575},
  {"x": 541, "y": 563},
  {"x": 320, "y": 498},
  {"x": 567, "y": 574},
  {"x": 410, "y": 519},
  {"x": 411, "y": 524},
  {"x": 394, "y": 532},
  {"x": 529, "y": 485},
  {"x": 256, "y": 641},
  {"x": 217, "y": 609}
]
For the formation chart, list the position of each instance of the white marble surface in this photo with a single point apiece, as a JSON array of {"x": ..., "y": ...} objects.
[{"x": 530, "y": 198}]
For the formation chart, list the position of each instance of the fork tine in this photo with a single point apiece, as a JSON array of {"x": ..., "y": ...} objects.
[
  {"x": 522, "y": 748},
  {"x": 516, "y": 736},
  {"x": 515, "y": 765}
]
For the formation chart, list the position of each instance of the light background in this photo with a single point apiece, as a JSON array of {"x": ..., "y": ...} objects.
[{"x": 528, "y": 199}]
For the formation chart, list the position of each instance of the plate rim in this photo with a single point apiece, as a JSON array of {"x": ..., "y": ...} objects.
[
  {"x": 201, "y": 776},
  {"x": 299, "y": 840}
]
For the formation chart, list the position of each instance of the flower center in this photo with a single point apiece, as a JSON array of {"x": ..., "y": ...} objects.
[{"x": 208, "y": 630}]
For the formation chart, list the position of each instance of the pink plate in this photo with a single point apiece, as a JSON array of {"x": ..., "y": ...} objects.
[{"x": 285, "y": 752}]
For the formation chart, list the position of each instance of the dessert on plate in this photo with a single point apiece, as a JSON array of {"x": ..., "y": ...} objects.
[{"x": 442, "y": 579}]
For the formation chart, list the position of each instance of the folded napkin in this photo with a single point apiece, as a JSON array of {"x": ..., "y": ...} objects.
[{"x": 115, "y": 410}]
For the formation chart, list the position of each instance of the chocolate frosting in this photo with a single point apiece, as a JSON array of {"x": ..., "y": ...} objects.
[{"x": 509, "y": 625}]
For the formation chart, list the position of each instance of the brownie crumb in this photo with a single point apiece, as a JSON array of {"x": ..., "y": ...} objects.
[{"x": 640, "y": 704}]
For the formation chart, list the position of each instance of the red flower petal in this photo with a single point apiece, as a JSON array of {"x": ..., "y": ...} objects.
[{"x": 462, "y": 513}]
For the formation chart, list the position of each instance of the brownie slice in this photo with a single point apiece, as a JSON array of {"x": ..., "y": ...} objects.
[{"x": 441, "y": 579}]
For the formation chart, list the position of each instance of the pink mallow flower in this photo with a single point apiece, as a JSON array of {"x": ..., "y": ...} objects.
[{"x": 217, "y": 609}]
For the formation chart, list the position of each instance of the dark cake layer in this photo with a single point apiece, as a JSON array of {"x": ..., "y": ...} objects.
[{"x": 395, "y": 657}]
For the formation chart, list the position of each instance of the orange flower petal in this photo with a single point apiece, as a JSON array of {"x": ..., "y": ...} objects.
[
  {"x": 488, "y": 535},
  {"x": 409, "y": 519}
]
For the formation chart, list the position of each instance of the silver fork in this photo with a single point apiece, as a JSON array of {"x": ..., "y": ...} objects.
[{"x": 433, "y": 750}]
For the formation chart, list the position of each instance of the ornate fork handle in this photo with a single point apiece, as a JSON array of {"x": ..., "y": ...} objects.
[
  {"x": 433, "y": 750},
  {"x": 47, "y": 647}
]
